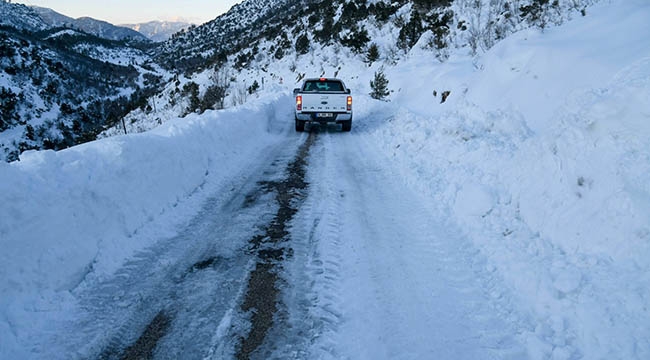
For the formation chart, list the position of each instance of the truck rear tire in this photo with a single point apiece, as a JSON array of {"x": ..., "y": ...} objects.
[
  {"x": 346, "y": 125},
  {"x": 300, "y": 125}
]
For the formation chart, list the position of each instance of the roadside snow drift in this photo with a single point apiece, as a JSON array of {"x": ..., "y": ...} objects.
[
  {"x": 542, "y": 154},
  {"x": 69, "y": 214}
]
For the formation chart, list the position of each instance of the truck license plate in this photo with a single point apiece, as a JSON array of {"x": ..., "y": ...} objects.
[{"x": 325, "y": 115}]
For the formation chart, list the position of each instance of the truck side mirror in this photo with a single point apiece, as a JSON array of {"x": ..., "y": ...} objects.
[
  {"x": 296, "y": 90},
  {"x": 347, "y": 91}
]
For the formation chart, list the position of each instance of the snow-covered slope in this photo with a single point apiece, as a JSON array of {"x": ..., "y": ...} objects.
[
  {"x": 21, "y": 17},
  {"x": 190, "y": 49},
  {"x": 58, "y": 88},
  {"x": 542, "y": 155},
  {"x": 60, "y": 84}
]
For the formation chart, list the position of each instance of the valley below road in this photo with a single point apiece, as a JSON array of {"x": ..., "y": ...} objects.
[{"x": 320, "y": 251}]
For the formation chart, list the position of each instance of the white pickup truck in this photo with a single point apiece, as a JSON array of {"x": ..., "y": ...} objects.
[{"x": 323, "y": 100}]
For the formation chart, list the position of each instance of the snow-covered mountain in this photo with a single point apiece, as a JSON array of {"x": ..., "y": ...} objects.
[
  {"x": 61, "y": 86},
  {"x": 271, "y": 29},
  {"x": 159, "y": 31},
  {"x": 535, "y": 168},
  {"x": 89, "y": 25},
  {"x": 202, "y": 45}
]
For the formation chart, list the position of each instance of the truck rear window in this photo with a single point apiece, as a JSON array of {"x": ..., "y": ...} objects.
[{"x": 323, "y": 86}]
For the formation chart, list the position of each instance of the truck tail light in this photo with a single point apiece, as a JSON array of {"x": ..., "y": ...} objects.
[
  {"x": 299, "y": 103},
  {"x": 349, "y": 103}
]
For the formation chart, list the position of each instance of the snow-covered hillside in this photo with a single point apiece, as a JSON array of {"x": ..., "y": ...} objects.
[
  {"x": 63, "y": 80},
  {"x": 21, "y": 17},
  {"x": 62, "y": 87},
  {"x": 540, "y": 155}
]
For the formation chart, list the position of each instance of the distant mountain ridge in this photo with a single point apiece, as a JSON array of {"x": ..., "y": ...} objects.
[
  {"x": 92, "y": 26},
  {"x": 158, "y": 31}
]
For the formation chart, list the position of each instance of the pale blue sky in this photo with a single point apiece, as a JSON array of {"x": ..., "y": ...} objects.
[{"x": 136, "y": 11}]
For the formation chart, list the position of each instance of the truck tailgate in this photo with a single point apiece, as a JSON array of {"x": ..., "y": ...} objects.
[{"x": 324, "y": 102}]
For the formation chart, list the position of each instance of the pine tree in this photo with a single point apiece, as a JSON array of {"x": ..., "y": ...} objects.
[
  {"x": 302, "y": 44},
  {"x": 327, "y": 12},
  {"x": 191, "y": 90},
  {"x": 426, "y": 5},
  {"x": 29, "y": 132},
  {"x": 279, "y": 53},
  {"x": 356, "y": 39},
  {"x": 379, "y": 86},
  {"x": 373, "y": 53},
  {"x": 213, "y": 97},
  {"x": 253, "y": 88},
  {"x": 537, "y": 12},
  {"x": 411, "y": 32}
]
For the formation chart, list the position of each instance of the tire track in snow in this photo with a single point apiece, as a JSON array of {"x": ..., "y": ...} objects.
[
  {"x": 406, "y": 286},
  {"x": 262, "y": 296},
  {"x": 311, "y": 294}
]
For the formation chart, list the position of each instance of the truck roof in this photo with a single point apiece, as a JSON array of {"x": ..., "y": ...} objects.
[{"x": 323, "y": 79}]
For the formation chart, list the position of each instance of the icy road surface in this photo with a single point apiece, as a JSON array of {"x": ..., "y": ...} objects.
[
  {"x": 376, "y": 276},
  {"x": 321, "y": 252}
]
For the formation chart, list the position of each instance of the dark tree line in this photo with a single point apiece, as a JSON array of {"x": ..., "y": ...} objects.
[{"x": 55, "y": 78}]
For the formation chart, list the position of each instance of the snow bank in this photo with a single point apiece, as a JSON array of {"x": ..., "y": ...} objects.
[
  {"x": 66, "y": 214},
  {"x": 542, "y": 154}
]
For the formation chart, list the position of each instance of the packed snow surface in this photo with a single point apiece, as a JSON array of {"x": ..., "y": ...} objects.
[{"x": 530, "y": 209}]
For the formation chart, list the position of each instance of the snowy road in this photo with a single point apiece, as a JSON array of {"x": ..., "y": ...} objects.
[
  {"x": 319, "y": 252},
  {"x": 376, "y": 276}
]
